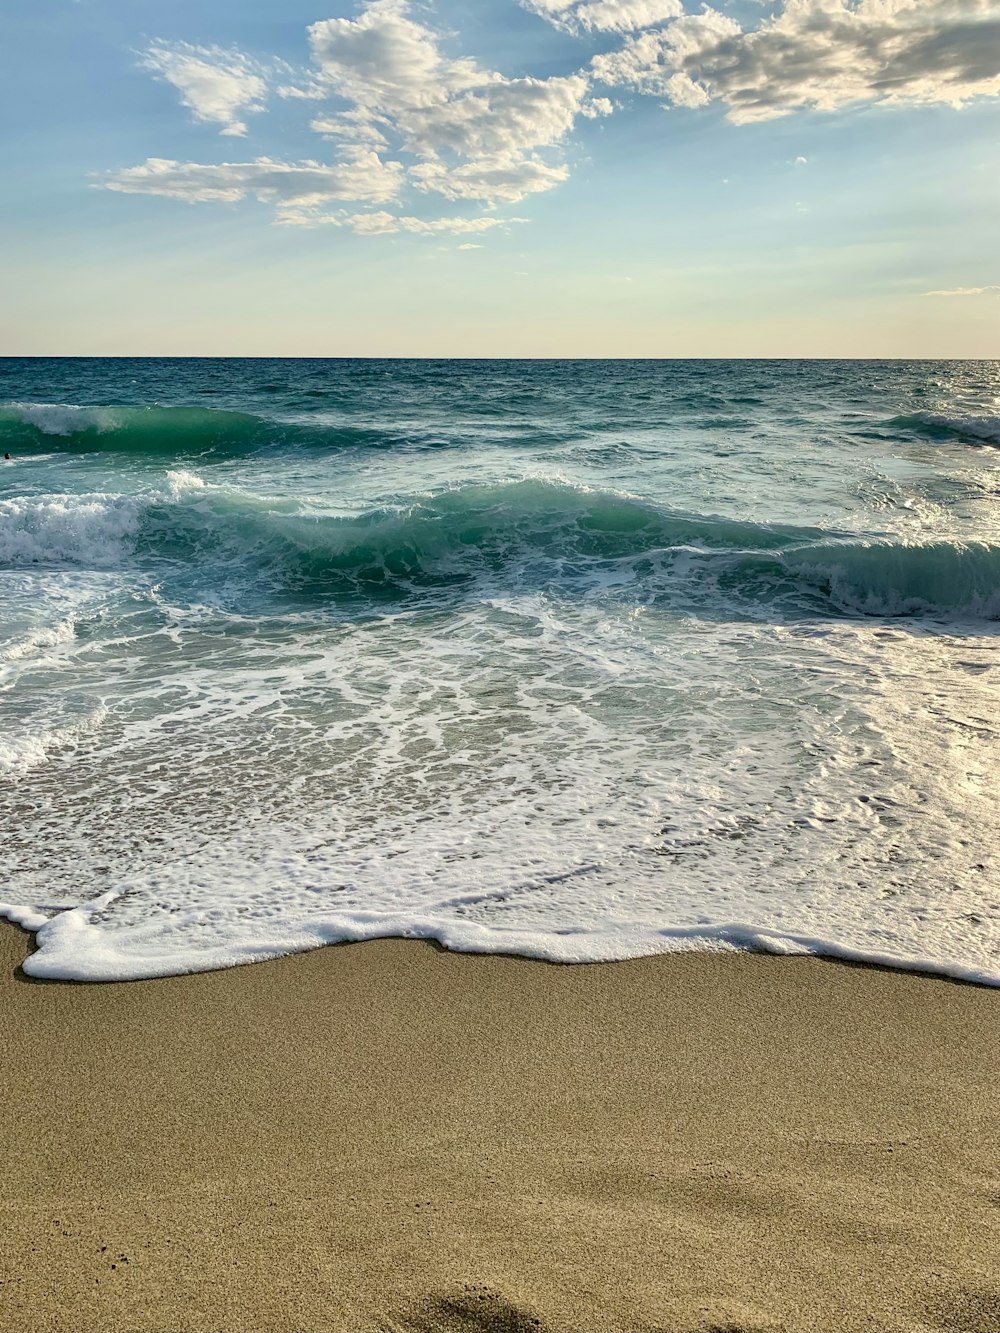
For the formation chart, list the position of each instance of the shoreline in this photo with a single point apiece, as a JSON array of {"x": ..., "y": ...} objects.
[
  {"x": 726, "y": 941},
  {"x": 389, "y": 1136}
]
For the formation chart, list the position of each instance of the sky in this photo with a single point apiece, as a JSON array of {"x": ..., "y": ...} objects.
[{"x": 591, "y": 178}]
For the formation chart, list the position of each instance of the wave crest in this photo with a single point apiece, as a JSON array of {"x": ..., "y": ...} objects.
[
  {"x": 900, "y": 579},
  {"x": 983, "y": 429},
  {"x": 160, "y": 432},
  {"x": 513, "y": 535}
]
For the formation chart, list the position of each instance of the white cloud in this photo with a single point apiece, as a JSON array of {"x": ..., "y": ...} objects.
[
  {"x": 510, "y": 117},
  {"x": 435, "y": 226},
  {"x": 605, "y": 15},
  {"x": 965, "y": 291},
  {"x": 384, "y": 223},
  {"x": 469, "y": 245},
  {"x": 475, "y": 133},
  {"x": 364, "y": 176},
  {"x": 820, "y": 54},
  {"x": 597, "y": 106},
  {"x": 310, "y": 91},
  {"x": 219, "y": 86},
  {"x": 402, "y": 113},
  {"x": 651, "y": 62},
  {"x": 354, "y": 126},
  {"x": 507, "y": 178},
  {"x": 385, "y": 60}
]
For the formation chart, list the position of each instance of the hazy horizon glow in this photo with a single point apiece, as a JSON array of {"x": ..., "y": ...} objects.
[{"x": 537, "y": 178}]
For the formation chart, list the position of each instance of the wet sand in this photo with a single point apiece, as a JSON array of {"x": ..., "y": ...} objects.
[{"x": 389, "y": 1137}]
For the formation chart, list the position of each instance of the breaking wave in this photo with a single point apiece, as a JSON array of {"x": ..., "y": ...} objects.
[
  {"x": 982, "y": 429},
  {"x": 163, "y": 432},
  {"x": 533, "y": 533}
]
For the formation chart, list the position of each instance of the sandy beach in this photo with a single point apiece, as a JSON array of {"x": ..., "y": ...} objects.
[{"x": 390, "y": 1137}]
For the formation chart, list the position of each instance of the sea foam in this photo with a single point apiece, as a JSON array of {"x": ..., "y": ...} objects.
[
  {"x": 517, "y": 786},
  {"x": 94, "y": 531}
]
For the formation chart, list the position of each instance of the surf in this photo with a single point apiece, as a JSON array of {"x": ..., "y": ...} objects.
[
  {"x": 531, "y": 533},
  {"x": 577, "y": 661},
  {"x": 970, "y": 428}
]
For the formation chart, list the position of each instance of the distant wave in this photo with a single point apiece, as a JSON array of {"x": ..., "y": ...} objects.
[
  {"x": 163, "y": 432},
  {"x": 524, "y": 533},
  {"x": 984, "y": 429}
]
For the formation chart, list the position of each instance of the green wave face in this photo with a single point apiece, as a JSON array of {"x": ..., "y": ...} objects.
[
  {"x": 538, "y": 535},
  {"x": 164, "y": 432},
  {"x": 890, "y": 579},
  {"x": 549, "y": 534}
]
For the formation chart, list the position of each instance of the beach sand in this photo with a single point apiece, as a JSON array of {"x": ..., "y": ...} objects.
[{"x": 387, "y": 1136}]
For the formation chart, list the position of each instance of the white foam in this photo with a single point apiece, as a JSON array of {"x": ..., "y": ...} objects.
[
  {"x": 95, "y": 530},
  {"x": 28, "y": 918},
  {"x": 21, "y": 753},
  {"x": 535, "y": 780},
  {"x": 39, "y": 641},
  {"x": 181, "y": 480},
  {"x": 64, "y": 418}
]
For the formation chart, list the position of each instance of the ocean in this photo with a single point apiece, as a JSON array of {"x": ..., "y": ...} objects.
[{"x": 576, "y": 660}]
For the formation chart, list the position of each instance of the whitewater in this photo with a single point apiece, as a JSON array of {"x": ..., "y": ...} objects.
[{"x": 575, "y": 660}]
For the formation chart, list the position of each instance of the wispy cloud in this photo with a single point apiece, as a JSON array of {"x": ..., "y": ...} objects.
[
  {"x": 383, "y": 223},
  {"x": 417, "y": 118},
  {"x": 965, "y": 291},
  {"x": 217, "y": 85},
  {"x": 364, "y": 176}
]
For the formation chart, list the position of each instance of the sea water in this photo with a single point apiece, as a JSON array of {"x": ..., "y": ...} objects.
[{"x": 574, "y": 660}]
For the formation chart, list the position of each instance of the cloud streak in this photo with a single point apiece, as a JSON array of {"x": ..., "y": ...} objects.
[
  {"x": 383, "y": 223},
  {"x": 363, "y": 177},
  {"x": 965, "y": 291}
]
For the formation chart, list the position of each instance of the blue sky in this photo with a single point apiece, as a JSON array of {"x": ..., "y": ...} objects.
[{"x": 501, "y": 177}]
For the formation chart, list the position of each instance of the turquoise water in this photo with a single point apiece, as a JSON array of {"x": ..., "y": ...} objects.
[{"x": 579, "y": 660}]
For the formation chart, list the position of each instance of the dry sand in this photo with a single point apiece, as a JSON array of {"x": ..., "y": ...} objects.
[{"x": 387, "y": 1136}]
